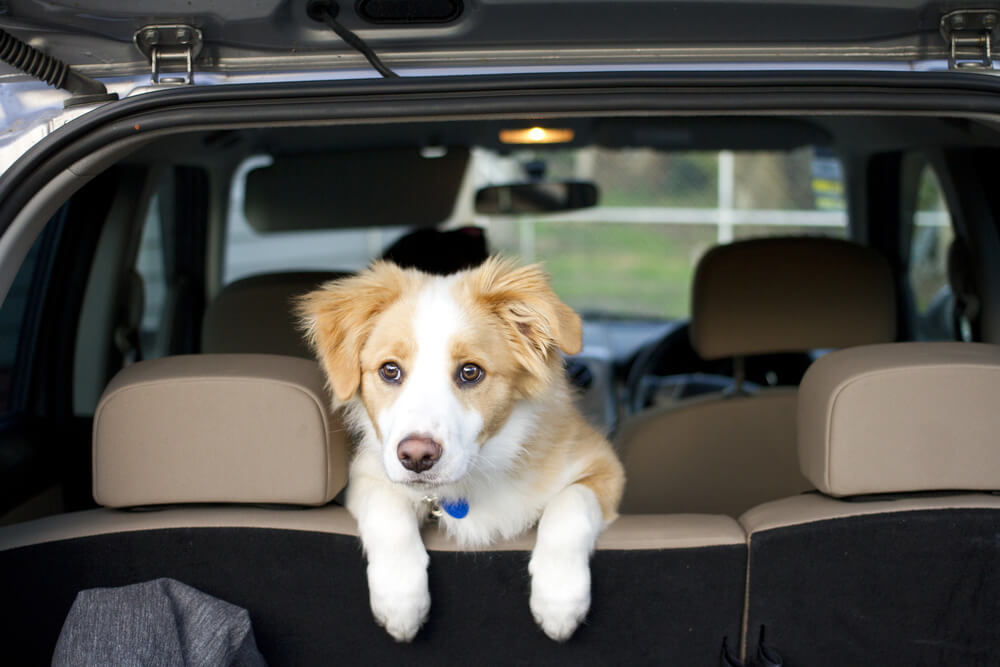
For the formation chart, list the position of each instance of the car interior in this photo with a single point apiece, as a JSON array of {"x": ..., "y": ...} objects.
[{"x": 800, "y": 388}]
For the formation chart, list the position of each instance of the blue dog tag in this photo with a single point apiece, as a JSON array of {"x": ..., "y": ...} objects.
[{"x": 457, "y": 509}]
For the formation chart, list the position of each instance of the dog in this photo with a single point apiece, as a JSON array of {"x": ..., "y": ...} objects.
[{"x": 456, "y": 390}]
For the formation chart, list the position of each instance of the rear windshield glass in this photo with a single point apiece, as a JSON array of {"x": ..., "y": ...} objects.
[{"x": 632, "y": 255}]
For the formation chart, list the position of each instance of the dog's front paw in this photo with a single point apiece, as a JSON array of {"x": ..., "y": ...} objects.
[
  {"x": 400, "y": 600},
  {"x": 560, "y": 593}
]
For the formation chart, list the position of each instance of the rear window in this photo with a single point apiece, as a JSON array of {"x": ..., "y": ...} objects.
[
  {"x": 931, "y": 237},
  {"x": 631, "y": 256},
  {"x": 635, "y": 253}
]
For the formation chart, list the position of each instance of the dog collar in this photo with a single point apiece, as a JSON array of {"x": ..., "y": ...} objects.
[{"x": 455, "y": 508}]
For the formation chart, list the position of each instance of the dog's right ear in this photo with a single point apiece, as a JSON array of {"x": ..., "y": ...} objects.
[
  {"x": 338, "y": 317},
  {"x": 537, "y": 323}
]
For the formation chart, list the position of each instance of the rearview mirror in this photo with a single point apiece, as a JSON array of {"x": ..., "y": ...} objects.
[{"x": 548, "y": 197}]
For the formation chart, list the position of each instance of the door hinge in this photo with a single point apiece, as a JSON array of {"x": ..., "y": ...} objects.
[
  {"x": 171, "y": 51},
  {"x": 969, "y": 34}
]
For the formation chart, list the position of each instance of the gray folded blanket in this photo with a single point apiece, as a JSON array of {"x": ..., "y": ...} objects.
[{"x": 157, "y": 623}]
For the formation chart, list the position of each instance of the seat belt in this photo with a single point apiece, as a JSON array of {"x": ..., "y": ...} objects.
[
  {"x": 766, "y": 656},
  {"x": 966, "y": 304},
  {"x": 126, "y": 333}
]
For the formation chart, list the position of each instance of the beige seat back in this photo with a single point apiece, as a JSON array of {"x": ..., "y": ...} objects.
[
  {"x": 893, "y": 561},
  {"x": 210, "y": 444},
  {"x": 712, "y": 455},
  {"x": 254, "y": 315},
  {"x": 727, "y": 452},
  {"x": 218, "y": 428}
]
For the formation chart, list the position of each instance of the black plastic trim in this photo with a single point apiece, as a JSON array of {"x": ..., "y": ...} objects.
[
  {"x": 407, "y": 12},
  {"x": 397, "y": 99}
]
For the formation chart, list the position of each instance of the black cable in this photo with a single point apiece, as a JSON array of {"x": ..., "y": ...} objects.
[
  {"x": 326, "y": 11},
  {"x": 52, "y": 71}
]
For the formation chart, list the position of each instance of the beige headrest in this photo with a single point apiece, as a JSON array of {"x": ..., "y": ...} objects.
[
  {"x": 225, "y": 428},
  {"x": 255, "y": 314},
  {"x": 902, "y": 417},
  {"x": 788, "y": 295}
]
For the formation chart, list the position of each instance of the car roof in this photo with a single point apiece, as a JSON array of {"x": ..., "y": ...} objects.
[{"x": 114, "y": 39}]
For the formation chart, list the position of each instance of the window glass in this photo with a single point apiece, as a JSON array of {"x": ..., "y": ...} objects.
[
  {"x": 932, "y": 236},
  {"x": 11, "y": 316},
  {"x": 150, "y": 266},
  {"x": 633, "y": 255},
  {"x": 20, "y": 308}
]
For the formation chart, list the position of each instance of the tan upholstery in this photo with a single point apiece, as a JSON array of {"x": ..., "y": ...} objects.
[
  {"x": 811, "y": 507},
  {"x": 218, "y": 428},
  {"x": 905, "y": 417},
  {"x": 722, "y": 453},
  {"x": 255, "y": 314},
  {"x": 790, "y": 294},
  {"x": 329, "y": 519},
  {"x": 712, "y": 455},
  {"x": 677, "y": 531},
  {"x": 652, "y": 531}
]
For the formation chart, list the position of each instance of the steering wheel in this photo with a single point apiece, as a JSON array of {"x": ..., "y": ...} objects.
[{"x": 672, "y": 366}]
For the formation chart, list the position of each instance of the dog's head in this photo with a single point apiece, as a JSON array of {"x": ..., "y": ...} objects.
[{"x": 439, "y": 363}]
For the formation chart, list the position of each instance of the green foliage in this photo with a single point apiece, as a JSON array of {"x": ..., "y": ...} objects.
[
  {"x": 626, "y": 269},
  {"x": 651, "y": 178},
  {"x": 929, "y": 194},
  {"x": 646, "y": 269}
]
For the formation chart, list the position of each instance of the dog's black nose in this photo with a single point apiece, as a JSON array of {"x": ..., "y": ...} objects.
[{"x": 418, "y": 453}]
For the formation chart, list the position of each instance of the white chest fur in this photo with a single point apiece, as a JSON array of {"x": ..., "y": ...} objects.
[{"x": 505, "y": 495}]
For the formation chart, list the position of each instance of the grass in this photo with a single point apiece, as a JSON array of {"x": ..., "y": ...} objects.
[{"x": 626, "y": 269}]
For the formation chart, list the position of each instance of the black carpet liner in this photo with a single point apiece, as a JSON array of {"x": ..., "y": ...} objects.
[
  {"x": 907, "y": 588},
  {"x": 308, "y": 599}
]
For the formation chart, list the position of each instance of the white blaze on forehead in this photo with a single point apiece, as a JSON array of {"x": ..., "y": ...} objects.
[{"x": 428, "y": 403}]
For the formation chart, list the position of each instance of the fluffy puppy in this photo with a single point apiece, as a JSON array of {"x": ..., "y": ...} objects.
[{"x": 457, "y": 391}]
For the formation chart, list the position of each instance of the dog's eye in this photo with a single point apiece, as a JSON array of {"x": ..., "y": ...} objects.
[
  {"x": 391, "y": 373},
  {"x": 470, "y": 374}
]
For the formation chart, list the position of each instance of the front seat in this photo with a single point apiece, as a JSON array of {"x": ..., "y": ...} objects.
[
  {"x": 731, "y": 450},
  {"x": 255, "y": 314}
]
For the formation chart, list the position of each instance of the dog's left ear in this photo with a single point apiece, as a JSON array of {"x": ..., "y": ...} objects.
[
  {"x": 539, "y": 323},
  {"x": 338, "y": 317}
]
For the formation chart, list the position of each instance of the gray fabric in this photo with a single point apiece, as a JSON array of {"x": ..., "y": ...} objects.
[{"x": 157, "y": 623}]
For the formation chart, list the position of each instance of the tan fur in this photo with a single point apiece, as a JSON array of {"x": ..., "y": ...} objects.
[
  {"x": 338, "y": 317},
  {"x": 536, "y": 323},
  {"x": 485, "y": 346},
  {"x": 565, "y": 441},
  {"x": 514, "y": 327},
  {"x": 390, "y": 339}
]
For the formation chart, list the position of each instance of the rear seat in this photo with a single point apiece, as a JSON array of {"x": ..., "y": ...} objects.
[
  {"x": 232, "y": 449},
  {"x": 895, "y": 561}
]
